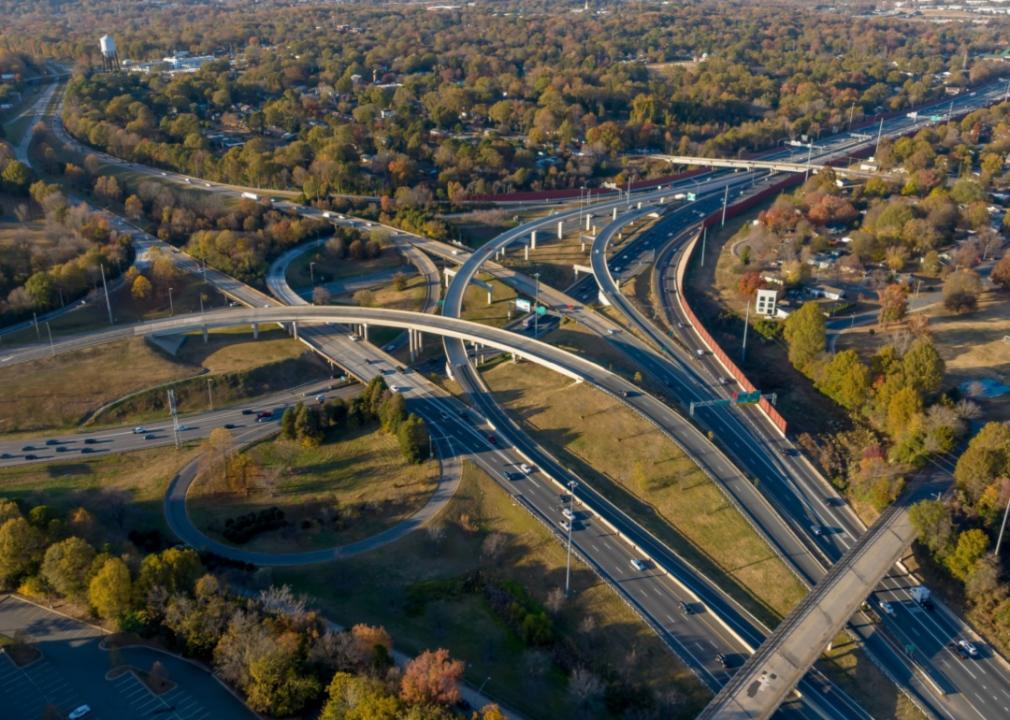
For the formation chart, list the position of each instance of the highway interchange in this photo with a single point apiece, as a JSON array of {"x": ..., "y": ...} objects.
[{"x": 595, "y": 542}]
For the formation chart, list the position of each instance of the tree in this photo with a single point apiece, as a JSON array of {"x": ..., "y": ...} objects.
[
  {"x": 1000, "y": 274},
  {"x": 353, "y": 697},
  {"x": 904, "y": 405},
  {"x": 288, "y": 431},
  {"x": 961, "y": 290},
  {"x": 805, "y": 334},
  {"x": 66, "y": 566},
  {"x": 40, "y": 289},
  {"x": 134, "y": 207},
  {"x": 986, "y": 457},
  {"x": 175, "y": 570},
  {"x": 846, "y": 380},
  {"x": 111, "y": 589},
  {"x": 393, "y": 412},
  {"x": 372, "y": 646},
  {"x": 16, "y": 177},
  {"x": 923, "y": 367},
  {"x": 969, "y": 548},
  {"x": 276, "y": 682},
  {"x": 413, "y": 437},
  {"x": 321, "y": 296},
  {"x": 432, "y": 677},
  {"x": 141, "y": 288},
  {"x": 893, "y": 303},
  {"x": 20, "y": 550},
  {"x": 934, "y": 526}
]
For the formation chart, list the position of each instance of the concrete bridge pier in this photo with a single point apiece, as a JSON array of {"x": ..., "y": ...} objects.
[
  {"x": 256, "y": 331},
  {"x": 533, "y": 240},
  {"x": 561, "y": 229}
]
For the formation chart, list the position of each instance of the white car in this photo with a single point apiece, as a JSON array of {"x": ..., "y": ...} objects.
[
  {"x": 139, "y": 430},
  {"x": 526, "y": 468},
  {"x": 967, "y": 648},
  {"x": 887, "y": 608},
  {"x": 637, "y": 564},
  {"x": 568, "y": 514},
  {"x": 79, "y": 712},
  {"x": 353, "y": 338},
  {"x": 564, "y": 525}
]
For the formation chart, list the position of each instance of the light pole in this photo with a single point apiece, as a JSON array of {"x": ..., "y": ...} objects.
[
  {"x": 536, "y": 305},
  {"x": 880, "y": 131},
  {"x": 312, "y": 274},
  {"x": 210, "y": 394},
  {"x": 571, "y": 522},
  {"x": 171, "y": 305},
  {"x": 1002, "y": 527},
  {"x": 52, "y": 347},
  {"x": 746, "y": 324}
]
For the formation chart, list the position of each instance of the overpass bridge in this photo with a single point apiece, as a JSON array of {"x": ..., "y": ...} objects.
[
  {"x": 773, "y": 165},
  {"x": 770, "y": 674}
]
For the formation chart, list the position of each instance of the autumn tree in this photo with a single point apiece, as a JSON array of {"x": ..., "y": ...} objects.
[
  {"x": 923, "y": 367},
  {"x": 20, "y": 549},
  {"x": 1000, "y": 274},
  {"x": 141, "y": 288},
  {"x": 968, "y": 549},
  {"x": 846, "y": 380},
  {"x": 961, "y": 290},
  {"x": 111, "y": 589},
  {"x": 432, "y": 677},
  {"x": 893, "y": 303},
  {"x": 66, "y": 567}
]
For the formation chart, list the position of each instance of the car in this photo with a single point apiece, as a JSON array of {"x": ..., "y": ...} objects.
[
  {"x": 29, "y": 456},
  {"x": 525, "y": 468},
  {"x": 164, "y": 174},
  {"x": 967, "y": 648},
  {"x": 206, "y": 184},
  {"x": 5, "y": 456},
  {"x": 816, "y": 529},
  {"x": 61, "y": 448},
  {"x": 152, "y": 436},
  {"x": 248, "y": 411},
  {"x": 686, "y": 608},
  {"x": 87, "y": 450},
  {"x": 79, "y": 712},
  {"x": 184, "y": 428},
  {"x": 681, "y": 325},
  {"x": 52, "y": 442},
  {"x": 188, "y": 181},
  {"x": 26, "y": 448},
  {"x": 722, "y": 660},
  {"x": 320, "y": 399},
  {"x": 610, "y": 331},
  {"x": 492, "y": 439},
  {"x": 565, "y": 525},
  {"x": 90, "y": 441},
  {"x": 887, "y": 608},
  {"x": 353, "y": 338},
  {"x": 699, "y": 352},
  {"x": 139, "y": 430},
  {"x": 638, "y": 564},
  {"x": 230, "y": 426},
  {"x": 567, "y": 512},
  {"x": 390, "y": 348}
]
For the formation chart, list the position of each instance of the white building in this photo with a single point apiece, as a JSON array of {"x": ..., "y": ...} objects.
[{"x": 767, "y": 302}]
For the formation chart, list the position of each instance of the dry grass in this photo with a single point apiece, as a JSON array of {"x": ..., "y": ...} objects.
[
  {"x": 58, "y": 392},
  {"x": 848, "y": 666},
  {"x": 975, "y": 344},
  {"x": 374, "y": 588},
  {"x": 622, "y": 454},
  {"x": 499, "y": 312},
  {"x": 122, "y": 491},
  {"x": 234, "y": 350},
  {"x": 339, "y": 492}
]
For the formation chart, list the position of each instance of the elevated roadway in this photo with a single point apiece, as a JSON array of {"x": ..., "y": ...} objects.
[{"x": 772, "y": 165}]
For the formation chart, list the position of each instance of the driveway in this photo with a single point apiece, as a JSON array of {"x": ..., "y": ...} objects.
[{"x": 72, "y": 672}]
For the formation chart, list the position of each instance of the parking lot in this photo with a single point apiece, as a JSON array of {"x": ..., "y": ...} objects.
[{"x": 73, "y": 669}]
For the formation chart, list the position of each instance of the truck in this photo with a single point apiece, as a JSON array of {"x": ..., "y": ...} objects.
[
  {"x": 914, "y": 115},
  {"x": 250, "y": 196},
  {"x": 922, "y": 595}
]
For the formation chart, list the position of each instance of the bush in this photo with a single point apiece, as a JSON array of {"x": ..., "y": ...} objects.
[{"x": 244, "y": 528}]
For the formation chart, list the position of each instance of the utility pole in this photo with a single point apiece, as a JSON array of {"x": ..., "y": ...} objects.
[
  {"x": 571, "y": 523},
  {"x": 704, "y": 237},
  {"x": 746, "y": 324},
  {"x": 105, "y": 286},
  {"x": 852, "y": 110},
  {"x": 312, "y": 274},
  {"x": 880, "y": 132},
  {"x": 175, "y": 417},
  {"x": 210, "y": 394},
  {"x": 810, "y": 156},
  {"x": 1006, "y": 93},
  {"x": 725, "y": 202},
  {"x": 35, "y": 322},
  {"x": 52, "y": 347},
  {"x": 171, "y": 307},
  {"x": 1002, "y": 527},
  {"x": 536, "y": 306}
]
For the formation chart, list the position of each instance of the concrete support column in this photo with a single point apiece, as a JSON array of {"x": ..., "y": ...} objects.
[
  {"x": 561, "y": 229},
  {"x": 526, "y": 252},
  {"x": 364, "y": 331},
  {"x": 489, "y": 298},
  {"x": 589, "y": 219},
  {"x": 533, "y": 240},
  {"x": 256, "y": 331},
  {"x": 205, "y": 337},
  {"x": 294, "y": 329},
  {"x": 613, "y": 214}
]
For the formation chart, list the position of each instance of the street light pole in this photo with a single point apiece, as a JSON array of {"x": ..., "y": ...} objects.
[
  {"x": 52, "y": 347},
  {"x": 1002, "y": 527},
  {"x": 536, "y": 306},
  {"x": 746, "y": 324},
  {"x": 571, "y": 523},
  {"x": 171, "y": 306},
  {"x": 312, "y": 274},
  {"x": 880, "y": 132}
]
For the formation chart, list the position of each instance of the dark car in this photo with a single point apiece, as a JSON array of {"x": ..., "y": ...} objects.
[
  {"x": 90, "y": 441},
  {"x": 29, "y": 456},
  {"x": 492, "y": 439},
  {"x": 26, "y": 448},
  {"x": 264, "y": 414},
  {"x": 247, "y": 411},
  {"x": 5, "y": 456},
  {"x": 150, "y": 436},
  {"x": 686, "y": 608},
  {"x": 230, "y": 426},
  {"x": 61, "y": 448},
  {"x": 52, "y": 442},
  {"x": 86, "y": 450}
]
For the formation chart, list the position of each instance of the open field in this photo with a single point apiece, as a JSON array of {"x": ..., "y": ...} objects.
[
  {"x": 341, "y": 491},
  {"x": 329, "y": 267},
  {"x": 379, "y": 587},
  {"x": 553, "y": 258},
  {"x": 631, "y": 462},
  {"x": 122, "y": 492}
]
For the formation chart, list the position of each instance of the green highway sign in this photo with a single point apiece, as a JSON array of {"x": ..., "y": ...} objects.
[
  {"x": 935, "y": 118},
  {"x": 541, "y": 310},
  {"x": 748, "y": 398},
  {"x": 691, "y": 197}
]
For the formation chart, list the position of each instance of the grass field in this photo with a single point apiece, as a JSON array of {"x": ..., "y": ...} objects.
[
  {"x": 502, "y": 307},
  {"x": 328, "y": 267},
  {"x": 122, "y": 491},
  {"x": 553, "y": 258},
  {"x": 342, "y": 491},
  {"x": 629, "y": 460},
  {"x": 375, "y": 588}
]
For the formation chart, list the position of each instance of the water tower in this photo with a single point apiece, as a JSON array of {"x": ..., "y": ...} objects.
[{"x": 110, "y": 58}]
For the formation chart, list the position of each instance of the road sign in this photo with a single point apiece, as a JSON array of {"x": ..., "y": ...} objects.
[
  {"x": 691, "y": 197},
  {"x": 541, "y": 310},
  {"x": 935, "y": 118},
  {"x": 747, "y": 398},
  {"x": 523, "y": 304}
]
